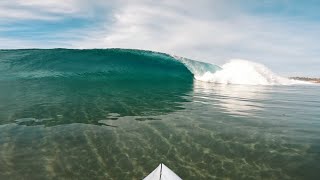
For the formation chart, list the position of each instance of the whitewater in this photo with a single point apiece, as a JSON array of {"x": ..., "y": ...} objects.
[{"x": 237, "y": 71}]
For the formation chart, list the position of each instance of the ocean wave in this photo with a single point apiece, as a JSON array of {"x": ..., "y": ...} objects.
[
  {"x": 91, "y": 63},
  {"x": 131, "y": 64}
]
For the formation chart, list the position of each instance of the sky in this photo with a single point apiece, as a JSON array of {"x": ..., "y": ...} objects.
[{"x": 284, "y": 35}]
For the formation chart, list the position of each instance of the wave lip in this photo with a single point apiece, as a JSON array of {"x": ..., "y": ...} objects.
[
  {"x": 198, "y": 68},
  {"x": 244, "y": 72}
]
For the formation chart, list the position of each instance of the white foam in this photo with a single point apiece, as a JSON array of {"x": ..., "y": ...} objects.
[{"x": 245, "y": 72}]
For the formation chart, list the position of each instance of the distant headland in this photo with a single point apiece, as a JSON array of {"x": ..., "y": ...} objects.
[{"x": 314, "y": 80}]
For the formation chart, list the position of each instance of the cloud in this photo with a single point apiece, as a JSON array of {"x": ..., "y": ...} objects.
[
  {"x": 15, "y": 10},
  {"x": 205, "y": 36},
  {"x": 33, "y": 10},
  {"x": 212, "y": 31}
]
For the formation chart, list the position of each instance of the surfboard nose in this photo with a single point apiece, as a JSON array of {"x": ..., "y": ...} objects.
[{"x": 162, "y": 172}]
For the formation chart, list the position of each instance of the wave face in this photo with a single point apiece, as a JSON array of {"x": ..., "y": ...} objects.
[
  {"x": 246, "y": 73},
  {"x": 107, "y": 63},
  {"x": 62, "y": 86}
]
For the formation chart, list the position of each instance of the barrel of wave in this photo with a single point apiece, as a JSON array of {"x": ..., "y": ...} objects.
[
  {"x": 197, "y": 68},
  {"x": 245, "y": 72}
]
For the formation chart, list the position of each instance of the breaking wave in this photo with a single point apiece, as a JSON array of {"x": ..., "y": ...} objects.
[
  {"x": 245, "y": 72},
  {"x": 128, "y": 64}
]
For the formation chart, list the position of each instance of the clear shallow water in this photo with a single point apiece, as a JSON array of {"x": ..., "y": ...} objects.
[{"x": 94, "y": 127}]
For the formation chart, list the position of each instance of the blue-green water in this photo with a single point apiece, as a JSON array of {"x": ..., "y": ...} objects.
[{"x": 117, "y": 114}]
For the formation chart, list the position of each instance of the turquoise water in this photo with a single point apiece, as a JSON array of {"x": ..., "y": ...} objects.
[{"x": 117, "y": 114}]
